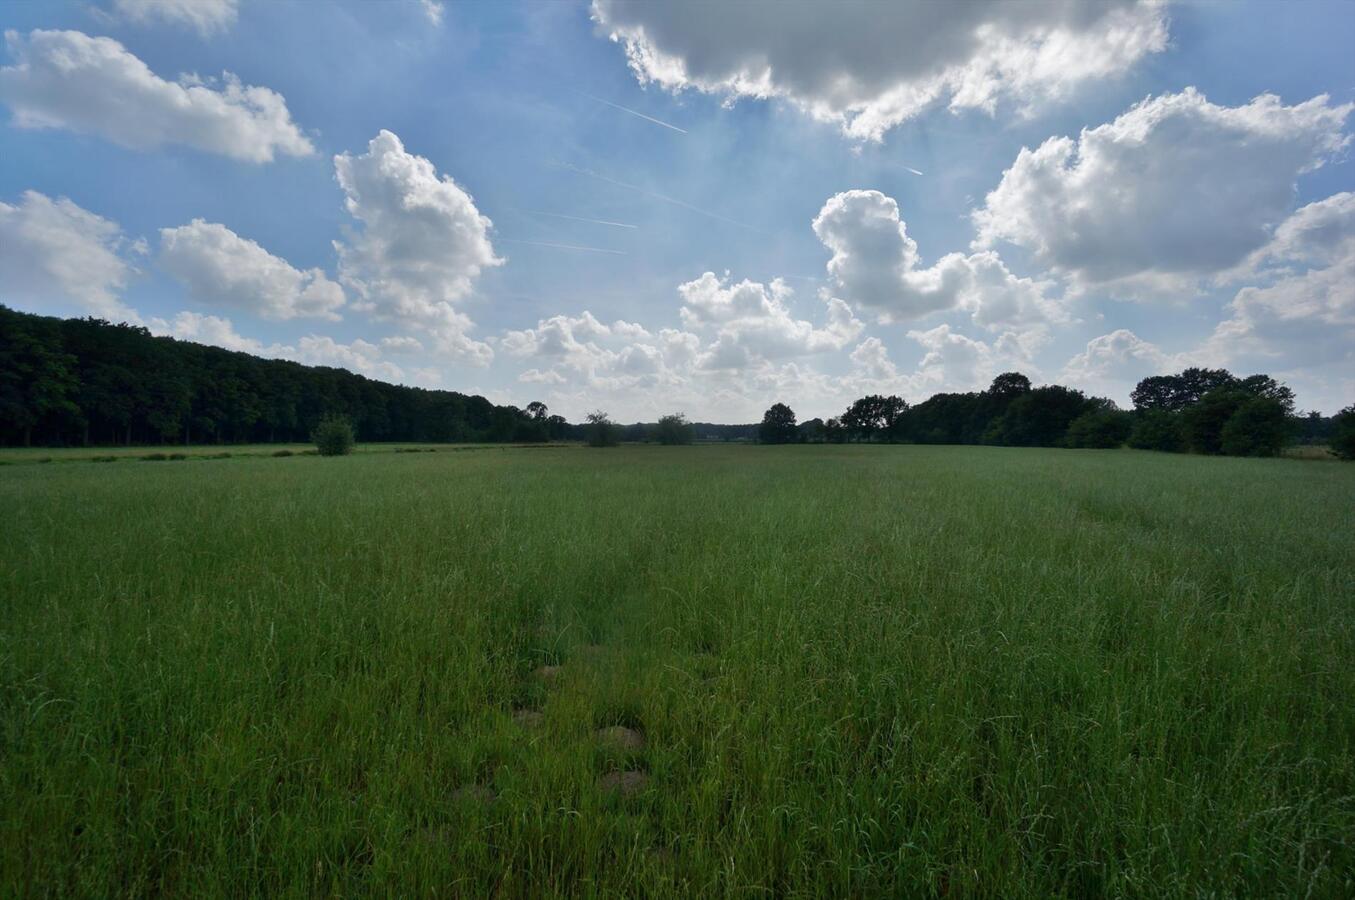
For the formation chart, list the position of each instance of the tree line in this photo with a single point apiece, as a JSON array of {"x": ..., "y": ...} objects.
[
  {"x": 71, "y": 382},
  {"x": 67, "y": 382},
  {"x": 1199, "y": 410}
]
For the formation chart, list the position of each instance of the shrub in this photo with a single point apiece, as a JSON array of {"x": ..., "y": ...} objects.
[
  {"x": 601, "y": 431},
  {"x": 1260, "y": 427},
  {"x": 1103, "y": 429},
  {"x": 283, "y": 453},
  {"x": 333, "y": 436},
  {"x": 1156, "y": 429},
  {"x": 674, "y": 429},
  {"x": 154, "y": 457},
  {"x": 103, "y": 459},
  {"x": 1343, "y": 436}
]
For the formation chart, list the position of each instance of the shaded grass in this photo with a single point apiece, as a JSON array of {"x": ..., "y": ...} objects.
[{"x": 858, "y": 670}]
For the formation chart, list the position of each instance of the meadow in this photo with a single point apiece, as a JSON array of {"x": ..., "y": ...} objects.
[{"x": 841, "y": 670}]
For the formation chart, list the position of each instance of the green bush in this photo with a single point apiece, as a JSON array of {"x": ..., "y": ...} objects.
[
  {"x": 1343, "y": 437},
  {"x": 1103, "y": 429},
  {"x": 1258, "y": 428},
  {"x": 283, "y": 453},
  {"x": 1156, "y": 429},
  {"x": 601, "y": 430},
  {"x": 333, "y": 436},
  {"x": 674, "y": 429}
]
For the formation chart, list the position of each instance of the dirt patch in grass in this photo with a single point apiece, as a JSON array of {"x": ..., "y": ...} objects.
[
  {"x": 529, "y": 718},
  {"x": 627, "y": 784},
  {"x": 621, "y": 737}
]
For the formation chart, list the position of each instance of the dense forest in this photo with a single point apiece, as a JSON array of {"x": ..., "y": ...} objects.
[
  {"x": 89, "y": 382},
  {"x": 67, "y": 382}
]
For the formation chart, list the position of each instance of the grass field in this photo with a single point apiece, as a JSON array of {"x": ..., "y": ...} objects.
[{"x": 861, "y": 670}]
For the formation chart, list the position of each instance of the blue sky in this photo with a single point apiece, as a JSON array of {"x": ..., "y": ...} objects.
[{"x": 779, "y": 244}]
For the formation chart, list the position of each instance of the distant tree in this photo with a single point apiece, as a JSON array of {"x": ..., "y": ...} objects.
[
  {"x": 1202, "y": 423},
  {"x": 333, "y": 436},
  {"x": 1343, "y": 433},
  {"x": 600, "y": 430},
  {"x": 1260, "y": 427},
  {"x": 812, "y": 431},
  {"x": 674, "y": 429},
  {"x": 1009, "y": 384},
  {"x": 537, "y": 410},
  {"x": 557, "y": 429},
  {"x": 1268, "y": 388},
  {"x": 1157, "y": 429},
  {"x": 834, "y": 431},
  {"x": 778, "y": 425},
  {"x": 1039, "y": 417},
  {"x": 1100, "y": 429},
  {"x": 1176, "y": 392}
]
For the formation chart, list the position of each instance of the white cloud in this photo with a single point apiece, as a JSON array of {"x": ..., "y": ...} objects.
[
  {"x": 1174, "y": 190},
  {"x": 875, "y": 266},
  {"x": 1113, "y": 363},
  {"x": 66, "y": 79},
  {"x": 53, "y": 251},
  {"x": 312, "y": 350},
  {"x": 751, "y": 321},
  {"x": 421, "y": 247},
  {"x": 433, "y": 10},
  {"x": 221, "y": 268},
  {"x": 205, "y": 16},
  {"x": 402, "y": 344},
  {"x": 869, "y": 66},
  {"x": 954, "y": 362}
]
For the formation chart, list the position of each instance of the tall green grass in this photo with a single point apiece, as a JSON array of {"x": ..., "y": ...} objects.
[{"x": 880, "y": 671}]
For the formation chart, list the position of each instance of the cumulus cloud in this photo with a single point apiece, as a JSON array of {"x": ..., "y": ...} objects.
[
  {"x": 1303, "y": 314},
  {"x": 220, "y": 268},
  {"x": 1112, "y": 364},
  {"x": 421, "y": 245},
  {"x": 875, "y": 265},
  {"x": 1174, "y": 190},
  {"x": 93, "y": 85},
  {"x": 53, "y": 251},
  {"x": 869, "y": 66},
  {"x": 953, "y": 362},
  {"x": 205, "y": 16},
  {"x": 312, "y": 350},
  {"x": 752, "y": 321}
]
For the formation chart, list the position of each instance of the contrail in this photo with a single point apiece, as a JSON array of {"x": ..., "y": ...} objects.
[
  {"x": 538, "y": 212},
  {"x": 911, "y": 169},
  {"x": 665, "y": 199},
  {"x": 564, "y": 246},
  {"x": 634, "y": 113}
]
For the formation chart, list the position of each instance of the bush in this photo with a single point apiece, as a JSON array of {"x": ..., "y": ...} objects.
[
  {"x": 154, "y": 457},
  {"x": 1156, "y": 429},
  {"x": 1260, "y": 427},
  {"x": 601, "y": 431},
  {"x": 283, "y": 453},
  {"x": 674, "y": 429},
  {"x": 1104, "y": 429},
  {"x": 333, "y": 436},
  {"x": 1343, "y": 435}
]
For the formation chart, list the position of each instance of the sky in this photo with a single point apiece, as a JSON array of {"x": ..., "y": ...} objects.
[{"x": 649, "y": 207}]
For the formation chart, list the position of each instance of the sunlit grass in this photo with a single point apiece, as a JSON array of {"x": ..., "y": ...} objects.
[{"x": 872, "y": 670}]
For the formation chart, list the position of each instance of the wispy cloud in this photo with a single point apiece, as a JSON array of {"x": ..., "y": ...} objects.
[
  {"x": 564, "y": 246},
  {"x": 627, "y": 109},
  {"x": 656, "y": 196},
  {"x": 911, "y": 169},
  {"x": 538, "y": 212}
]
